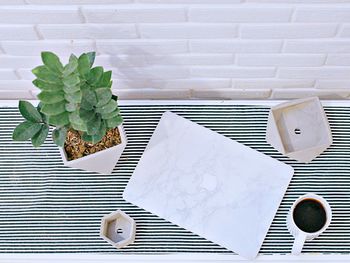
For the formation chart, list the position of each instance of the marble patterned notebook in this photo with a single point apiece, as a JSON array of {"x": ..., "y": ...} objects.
[{"x": 209, "y": 184}]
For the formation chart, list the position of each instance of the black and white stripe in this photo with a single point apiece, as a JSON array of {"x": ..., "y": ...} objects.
[{"x": 46, "y": 207}]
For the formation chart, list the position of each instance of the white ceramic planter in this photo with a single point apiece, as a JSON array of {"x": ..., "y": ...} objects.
[
  {"x": 103, "y": 161},
  {"x": 118, "y": 229},
  {"x": 299, "y": 129}
]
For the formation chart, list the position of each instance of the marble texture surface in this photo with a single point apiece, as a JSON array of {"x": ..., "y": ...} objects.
[{"x": 209, "y": 184}]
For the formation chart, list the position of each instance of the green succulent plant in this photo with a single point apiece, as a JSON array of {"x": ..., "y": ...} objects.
[{"x": 75, "y": 96}]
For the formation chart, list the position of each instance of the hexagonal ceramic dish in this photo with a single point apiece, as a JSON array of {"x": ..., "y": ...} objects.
[
  {"x": 299, "y": 129},
  {"x": 118, "y": 229}
]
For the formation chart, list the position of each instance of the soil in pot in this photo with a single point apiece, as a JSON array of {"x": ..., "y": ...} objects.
[{"x": 76, "y": 147}]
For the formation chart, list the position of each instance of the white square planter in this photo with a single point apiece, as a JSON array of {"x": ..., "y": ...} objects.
[
  {"x": 103, "y": 161},
  {"x": 299, "y": 129}
]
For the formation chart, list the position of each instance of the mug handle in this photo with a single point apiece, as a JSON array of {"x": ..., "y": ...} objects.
[{"x": 298, "y": 243}]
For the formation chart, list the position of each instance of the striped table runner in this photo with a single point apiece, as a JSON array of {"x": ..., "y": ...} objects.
[{"x": 46, "y": 207}]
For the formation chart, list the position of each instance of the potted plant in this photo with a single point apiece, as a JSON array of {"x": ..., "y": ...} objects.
[{"x": 76, "y": 100}]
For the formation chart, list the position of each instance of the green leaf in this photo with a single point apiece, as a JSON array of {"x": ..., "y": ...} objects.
[
  {"x": 43, "y": 73},
  {"x": 71, "y": 66},
  {"x": 29, "y": 112},
  {"x": 98, "y": 136},
  {"x": 91, "y": 138},
  {"x": 25, "y": 130},
  {"x": 74, "y": 117},
  {"x": 114, "y": 122},
  {"x": 40, "y": 137},
  {"x": 73, "y": 57},
  {"x": 111, "y": 114},
  {"x": 53, "y": 109},
  {"x": 48, "y": 97},
  {"x": 91, "y": 56},
  {"x": 88, "y": 100},
  {"x": 93, "y": 125},
  {"x": 59, "y": 136},
  {"x": 60, "y": 119},
  {"x": 84, "y": 65},
  {"x": 43, "y": 116},
  {"x": 71, "y": 107},
  {"x": 71, "y": 80},
  {"x": 106, "y": 79},
  {"x": 71, "y": 89},
  {"x": 86, "y": 137},
  {"x": 74, "y": 97},
  {"x": 84, "y": 86},
  {"x": 47, "y": 86},
  {"x": 76, "y": 122},
  {"x": 95, "y": 75},
  {"x": 102, "y": 131},
  {"x": 51, "y": 61},
  {"x": 103, "y": 96},
  {"x": 109, "y": 107},
  {"x": 86, "y": 115},
  {"x": 79, "y": 127}
]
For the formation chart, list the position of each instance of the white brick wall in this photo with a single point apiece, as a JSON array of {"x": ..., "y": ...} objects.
[{"x": 179, "y": 49}]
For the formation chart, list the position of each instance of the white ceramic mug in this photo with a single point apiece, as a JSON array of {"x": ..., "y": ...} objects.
[{"x": 301, "y": 236}]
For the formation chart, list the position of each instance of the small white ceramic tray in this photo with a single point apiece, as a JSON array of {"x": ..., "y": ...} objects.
[
  {"x": 299, "y": 129},
  {"x": 118, "y": 229}
]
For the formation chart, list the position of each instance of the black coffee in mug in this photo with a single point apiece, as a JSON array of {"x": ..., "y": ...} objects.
[{"x": 309, "y": 215}]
